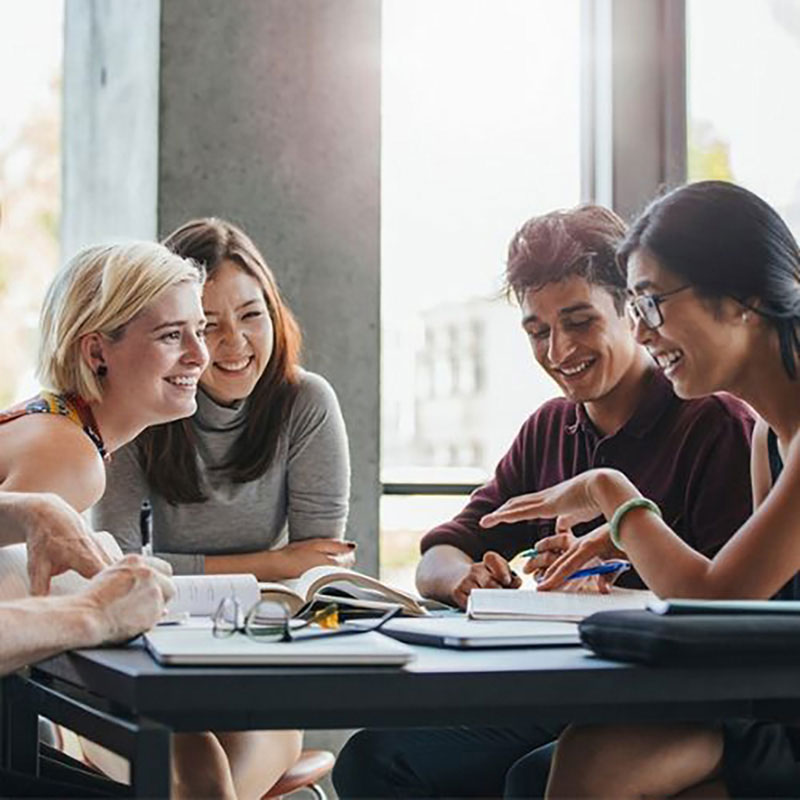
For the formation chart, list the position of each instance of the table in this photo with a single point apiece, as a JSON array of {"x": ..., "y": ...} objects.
[{"x": 122, "y": 698}]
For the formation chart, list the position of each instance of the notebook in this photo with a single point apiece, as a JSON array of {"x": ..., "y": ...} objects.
[
  {"x": 520, "y": 604},
  {"x": 466, "y": 634},
  {"x": 689, "y": 606},
  {"x": 199, "y": 647}
]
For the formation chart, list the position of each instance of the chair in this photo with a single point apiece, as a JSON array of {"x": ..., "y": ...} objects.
[{"x": 310, "y": 767}]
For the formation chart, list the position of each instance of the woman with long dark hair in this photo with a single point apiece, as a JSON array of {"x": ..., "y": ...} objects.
[
  {"x": 713, "y": 278},
  {"x": 258, "y": 479}
]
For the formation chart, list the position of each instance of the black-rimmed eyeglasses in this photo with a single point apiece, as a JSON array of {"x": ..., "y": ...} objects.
[
  {"x": 647, "y": 307},
  {"x": 268, "y": 621}
]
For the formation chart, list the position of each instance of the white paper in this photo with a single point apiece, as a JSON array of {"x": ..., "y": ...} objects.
[
  {"x": 200, "y": 595},
  {"x": 569, "y": 606}
]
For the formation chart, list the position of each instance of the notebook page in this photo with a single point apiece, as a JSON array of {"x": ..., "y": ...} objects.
[{"x": 569, "y": 606}]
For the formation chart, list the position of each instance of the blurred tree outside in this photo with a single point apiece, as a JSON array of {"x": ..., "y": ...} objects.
[
  {"x": 709, "y": 155},
  {"x": 30, "y": 196}
]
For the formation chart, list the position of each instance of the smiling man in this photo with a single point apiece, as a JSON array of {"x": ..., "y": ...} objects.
[{"x": 617, "y": 410}]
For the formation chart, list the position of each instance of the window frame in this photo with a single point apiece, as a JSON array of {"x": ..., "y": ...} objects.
[{"x": 633, "y": 79}]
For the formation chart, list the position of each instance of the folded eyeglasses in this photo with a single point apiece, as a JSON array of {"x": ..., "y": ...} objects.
[{"x": 268, "y": 621}]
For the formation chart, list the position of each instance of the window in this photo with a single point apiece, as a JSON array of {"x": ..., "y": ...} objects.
[
  {"x": 30, "y": 165},
  {"x": 743, "y": 121},
  {"x": 481, "y": 104}
]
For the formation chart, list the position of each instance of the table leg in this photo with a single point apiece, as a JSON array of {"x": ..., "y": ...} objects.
[
  {"x": 20, "y": 727},
  {"x": 150, "y": 761}
]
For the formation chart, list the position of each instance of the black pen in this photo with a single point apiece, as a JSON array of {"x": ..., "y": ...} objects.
[{"x": 146, "y": 527}]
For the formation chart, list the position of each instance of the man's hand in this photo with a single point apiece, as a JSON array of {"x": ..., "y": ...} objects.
[
  {"x": 58, "y": 540},
  {"x": 493, "y": 572},
  {"x": 129, "y": 597},
  {"x": 297, "y": 557}
]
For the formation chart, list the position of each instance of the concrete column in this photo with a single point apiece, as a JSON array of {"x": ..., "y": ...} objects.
[
  {"x": 634, "y": 101},
  {"x": 265, "y": 112},
  {"x": 110, "y": 126}
]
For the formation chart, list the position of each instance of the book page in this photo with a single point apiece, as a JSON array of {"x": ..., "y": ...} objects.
[
  {"x": 354, "y": 584},
  {"x": 280, "y": 593},
  {"x": 568, "y": 606},
  {"x": 200, "y": 595}
]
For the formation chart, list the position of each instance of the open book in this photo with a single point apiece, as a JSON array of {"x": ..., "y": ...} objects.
[
  {"x": 563, "y": 606},
  {"x": 343, "y": 586}
]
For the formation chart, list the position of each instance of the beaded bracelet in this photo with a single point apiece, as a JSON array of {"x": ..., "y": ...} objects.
[{"x": 623, "y": 509}]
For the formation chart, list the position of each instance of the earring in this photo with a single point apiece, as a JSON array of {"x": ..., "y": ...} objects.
[{"x": 102, "y": 371}]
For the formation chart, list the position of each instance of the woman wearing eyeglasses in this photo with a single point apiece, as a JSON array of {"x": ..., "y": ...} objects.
[{"x": 714, "y": 292}]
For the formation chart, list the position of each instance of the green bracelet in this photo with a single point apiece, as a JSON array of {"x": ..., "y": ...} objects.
[{"x": 623, "y": 509}]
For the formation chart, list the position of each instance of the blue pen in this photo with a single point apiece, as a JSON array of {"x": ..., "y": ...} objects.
[{"x": 606, "y": 568}]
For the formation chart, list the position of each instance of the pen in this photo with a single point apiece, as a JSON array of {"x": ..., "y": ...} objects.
[
  {"x": 146, "y": 527},
  {"x": 531, "y": 552},
  {"x": 601, "y": 569}
]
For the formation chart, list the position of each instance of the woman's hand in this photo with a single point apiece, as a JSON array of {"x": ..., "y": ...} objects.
[
  {"x": 569, "y": 502},
  {"x": 592, "y": 547},
  {"x": 297, "y": 557},
  {"x": 548, "y": 551}
]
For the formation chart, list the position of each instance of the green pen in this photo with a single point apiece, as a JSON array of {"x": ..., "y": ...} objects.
[{"x": 530, "y": 553}]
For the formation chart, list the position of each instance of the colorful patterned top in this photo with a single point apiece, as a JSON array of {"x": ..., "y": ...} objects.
[{"x": 70, "y": 405}]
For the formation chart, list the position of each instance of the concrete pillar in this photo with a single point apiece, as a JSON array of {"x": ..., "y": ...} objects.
[
  {"x": 634, "y": 105},
  {"x": 265, "y": 112}
]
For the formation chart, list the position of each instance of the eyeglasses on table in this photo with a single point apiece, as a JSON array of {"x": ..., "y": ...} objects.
[{"x": 268, "y": 621}]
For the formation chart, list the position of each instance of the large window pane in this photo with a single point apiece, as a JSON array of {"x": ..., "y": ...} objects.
[
  {"x": 30, "y": 164},
  {"x": 743, "y": 119},
  {"x": 480, "y": 131}
]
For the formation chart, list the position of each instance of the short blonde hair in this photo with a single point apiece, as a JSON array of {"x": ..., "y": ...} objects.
[{"x": 100, "y": 290}]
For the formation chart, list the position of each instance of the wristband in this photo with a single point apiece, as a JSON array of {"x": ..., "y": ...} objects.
[{"x": 623, "y": 509}]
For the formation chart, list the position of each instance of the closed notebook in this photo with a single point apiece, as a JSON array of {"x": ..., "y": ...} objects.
[
  {"x": 726, "y": 607},
  {"x": 457, "y": 631},
  {"x": 565, "y": 606},
  {"x": 199, "y": 647}
]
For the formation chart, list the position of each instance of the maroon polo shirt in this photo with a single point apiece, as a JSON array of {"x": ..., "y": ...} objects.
[{"x": 691, "y": 456}]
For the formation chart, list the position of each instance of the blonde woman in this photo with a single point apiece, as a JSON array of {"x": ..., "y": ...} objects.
[{"x": 122, "y": 347}]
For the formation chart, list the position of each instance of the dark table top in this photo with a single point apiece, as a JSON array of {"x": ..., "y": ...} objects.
[{"x": 440, "y": 687}]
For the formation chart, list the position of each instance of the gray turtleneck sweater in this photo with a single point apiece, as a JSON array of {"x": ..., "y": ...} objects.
[{"x": 303, "y": 495}]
